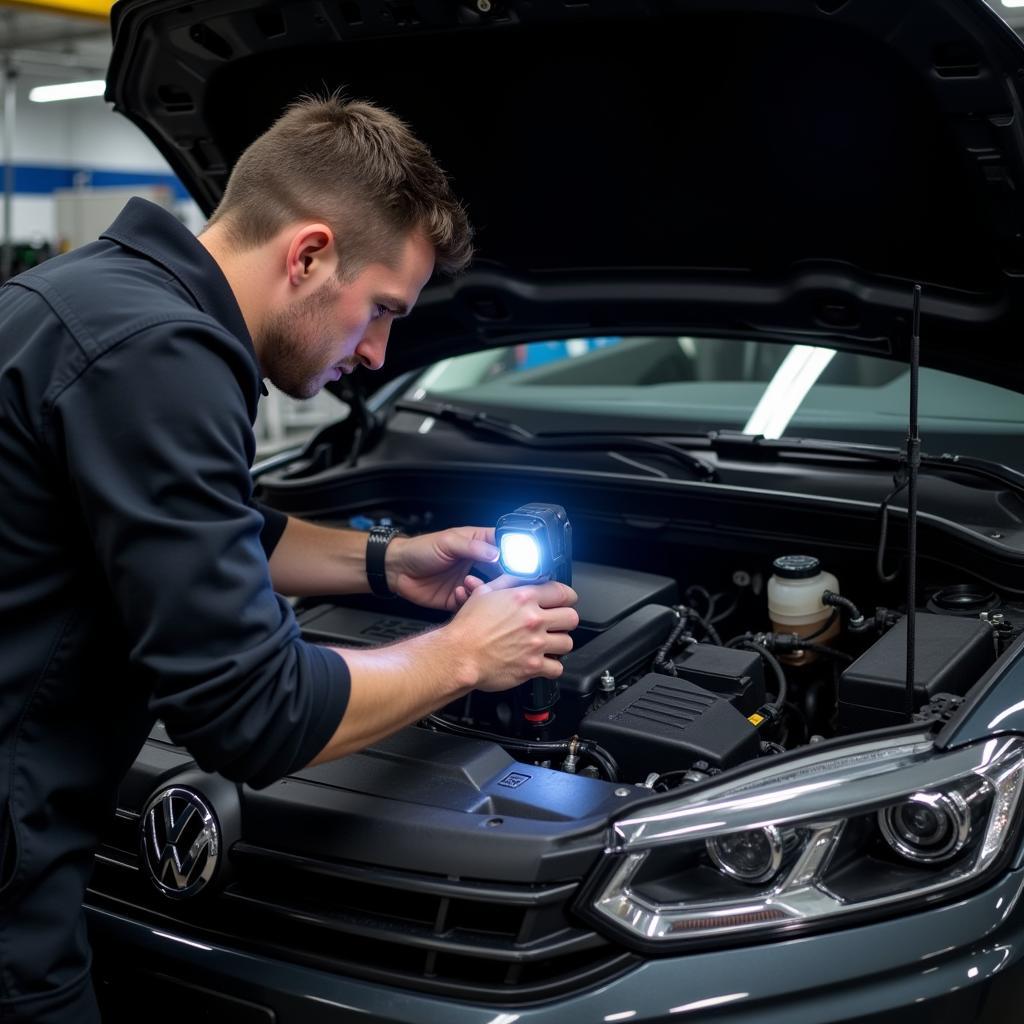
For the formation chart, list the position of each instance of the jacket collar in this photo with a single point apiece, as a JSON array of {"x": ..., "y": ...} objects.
[{"x": 153, "y": 232}]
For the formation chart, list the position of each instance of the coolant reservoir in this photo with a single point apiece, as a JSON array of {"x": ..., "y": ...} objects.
[{"x": 794, "y": 602}]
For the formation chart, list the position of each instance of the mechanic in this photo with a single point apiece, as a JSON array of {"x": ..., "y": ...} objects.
[{"x": 138, "y": 578}]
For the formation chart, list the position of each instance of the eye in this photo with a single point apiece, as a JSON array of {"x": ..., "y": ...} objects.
[{"x": 380, "y": 310}]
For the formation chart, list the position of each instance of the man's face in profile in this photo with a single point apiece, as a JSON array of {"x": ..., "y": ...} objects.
[{"x": 343, "y": 324}]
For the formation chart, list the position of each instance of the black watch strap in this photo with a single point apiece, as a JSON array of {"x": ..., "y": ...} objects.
[{"x": 376, "y": 548}]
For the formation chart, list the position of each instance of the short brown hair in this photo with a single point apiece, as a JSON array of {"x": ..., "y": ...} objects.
[{"x": 354, "y": 166}]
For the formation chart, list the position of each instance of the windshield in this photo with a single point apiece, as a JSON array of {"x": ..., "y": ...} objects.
[{"x": 693, "y": 385}]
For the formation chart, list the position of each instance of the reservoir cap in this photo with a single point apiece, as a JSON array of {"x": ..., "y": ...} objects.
[{"x": 796, "y": 567}]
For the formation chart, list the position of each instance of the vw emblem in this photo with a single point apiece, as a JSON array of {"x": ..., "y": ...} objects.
[{"x": 180, "y": 842}]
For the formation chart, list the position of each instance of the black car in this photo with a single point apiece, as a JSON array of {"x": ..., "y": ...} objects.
[{"x": 700, "y": 228}]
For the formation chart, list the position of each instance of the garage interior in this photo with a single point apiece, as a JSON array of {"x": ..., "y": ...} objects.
[{"x": 69, "y": 166}]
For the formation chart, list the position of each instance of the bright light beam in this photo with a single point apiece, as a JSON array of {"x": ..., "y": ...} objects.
[
  {"x": 520, "y": 554},
  {"x": 799, "y": 372}
]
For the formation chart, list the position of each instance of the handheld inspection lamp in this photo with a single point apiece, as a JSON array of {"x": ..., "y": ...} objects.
[{"x": 535, "y": 543}]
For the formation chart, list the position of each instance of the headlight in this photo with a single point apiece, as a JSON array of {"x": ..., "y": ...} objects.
[
  {"x": 867, "y": 828},
  {"x": 751, "y": 856},
  {"x": 932, "y": 827}
]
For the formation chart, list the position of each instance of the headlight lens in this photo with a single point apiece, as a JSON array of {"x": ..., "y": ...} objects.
[
  {"x": 751, "y": 856},
  {"x": 867, "y": 827},
  {"x": 931, "y": 827}
]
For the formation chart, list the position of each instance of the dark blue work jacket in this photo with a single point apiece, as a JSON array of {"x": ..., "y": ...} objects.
[{"x": 133, "y": 573}]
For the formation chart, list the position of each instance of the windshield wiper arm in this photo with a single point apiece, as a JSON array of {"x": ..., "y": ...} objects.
[
  {"x": 729, "y": 444},
  {"x": 726, "y": 444},
  {"x": 485, "y": 423}
]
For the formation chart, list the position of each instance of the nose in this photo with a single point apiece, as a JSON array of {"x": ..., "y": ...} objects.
[{"x": 370, "y": 351}]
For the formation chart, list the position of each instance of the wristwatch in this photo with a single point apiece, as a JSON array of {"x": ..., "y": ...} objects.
[{"x": 376, "y": 548}]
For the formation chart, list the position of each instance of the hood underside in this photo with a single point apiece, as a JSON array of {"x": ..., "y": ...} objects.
[{"x": 774, "y": 169}]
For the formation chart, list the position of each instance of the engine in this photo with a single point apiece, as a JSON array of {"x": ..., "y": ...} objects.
[{"x": 663, "y": 687}]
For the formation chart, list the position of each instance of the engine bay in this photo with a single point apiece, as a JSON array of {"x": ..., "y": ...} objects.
[{"x": 671, "y": 682}]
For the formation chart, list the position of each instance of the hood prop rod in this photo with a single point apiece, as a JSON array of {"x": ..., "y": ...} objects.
[{"x": 913, "y": 456}]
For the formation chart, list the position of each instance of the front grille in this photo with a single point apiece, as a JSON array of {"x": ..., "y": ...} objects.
[{"x": 465, "y": 938}]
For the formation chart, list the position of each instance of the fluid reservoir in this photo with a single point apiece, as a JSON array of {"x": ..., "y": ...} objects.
[{"x": 794, "y": 602}]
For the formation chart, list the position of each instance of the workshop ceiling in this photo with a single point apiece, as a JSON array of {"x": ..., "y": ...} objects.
[{"x": 40, "y": 42}]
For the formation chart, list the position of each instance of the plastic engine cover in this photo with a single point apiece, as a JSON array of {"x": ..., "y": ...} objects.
[
  {"x": 662, "y": 724},
  {"x": 951, "y": 653}
]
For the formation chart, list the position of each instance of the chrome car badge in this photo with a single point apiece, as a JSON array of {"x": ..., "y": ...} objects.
[{"x": 180, "y": 842}]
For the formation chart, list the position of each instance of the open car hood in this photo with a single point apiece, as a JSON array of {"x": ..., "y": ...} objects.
[{"x": 777, "y": 169}]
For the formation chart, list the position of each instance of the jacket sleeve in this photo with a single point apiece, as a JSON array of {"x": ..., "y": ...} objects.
[
  {"x": 274, "y": 523},
  {"x": 157, "y": 442}
]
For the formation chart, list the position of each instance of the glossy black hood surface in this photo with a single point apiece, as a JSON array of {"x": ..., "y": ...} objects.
[{"x": 771, "y": 168}]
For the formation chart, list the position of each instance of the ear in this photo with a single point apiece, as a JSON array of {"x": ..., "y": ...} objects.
[{"x": 311, "y": 254}]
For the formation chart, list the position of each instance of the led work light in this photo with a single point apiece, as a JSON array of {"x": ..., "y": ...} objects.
[{"x": 535, "y": 543}]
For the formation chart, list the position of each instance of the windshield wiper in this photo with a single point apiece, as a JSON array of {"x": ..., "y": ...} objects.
[
  {"x": 482, "y": 422},
  {"x": 727, "y": 444}
]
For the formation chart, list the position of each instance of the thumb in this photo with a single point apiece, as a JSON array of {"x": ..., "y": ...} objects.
[
  {"x": 482, "y": 551},
  {"x": 470, "y": 548}
]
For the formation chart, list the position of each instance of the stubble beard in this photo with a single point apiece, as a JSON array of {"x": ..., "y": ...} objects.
[{"x": 296, "y": 346}]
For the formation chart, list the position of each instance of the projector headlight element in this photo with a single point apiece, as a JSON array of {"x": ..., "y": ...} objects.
[
  {"x": 880, "y": 826},
  {"x": 751, "y": 856},
  {"x": 930, "y": 827}
]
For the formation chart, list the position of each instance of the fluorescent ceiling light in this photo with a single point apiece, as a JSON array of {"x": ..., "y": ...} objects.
[
  {"x": 1013, "y": 3},
  {"x": 803, "y": 365},
  {"x": 67, "y": 91}
]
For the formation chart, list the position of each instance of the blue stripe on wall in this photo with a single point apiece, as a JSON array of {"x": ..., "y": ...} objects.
[{"x": 41, "y": 180}]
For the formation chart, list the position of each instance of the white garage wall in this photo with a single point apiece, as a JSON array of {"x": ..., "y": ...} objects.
[
  {"x": 75, "y": 136},
  {"x": 41, "y": 130},
  {"x": 37, "y": 140},
  {"x": 34, "y": 219},
  {"x": 101, "y": 138}
]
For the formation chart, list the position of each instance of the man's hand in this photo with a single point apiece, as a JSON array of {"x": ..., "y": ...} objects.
[
  {"x": 473, "y": 583},
  {"x": 498, "y": 639},
  {"x": 431, "y": 570},
  {"x": 515, "y": 633}
]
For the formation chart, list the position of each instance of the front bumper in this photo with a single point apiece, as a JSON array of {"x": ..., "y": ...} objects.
[{"x": 962, "y": 963}]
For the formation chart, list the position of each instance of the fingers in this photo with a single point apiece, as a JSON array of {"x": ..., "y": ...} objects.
[
  {"x": 472, "y": 583},
  {"x": 485, "y": 536},
  {"x": 481, "y": 551},
  {"x": 555, "y": 598},
  {"x": 474, "y": 544},
  {"x": 521, "y": 630},
  {"x": 555, "y": 595},
  {"x": 558, "y": 644},
  {"x": 503, "y": 582},
  {"x": 462, "y": 593},
  {"x": 550, "y": 669},
  {"x": 561, "y": 620}
]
